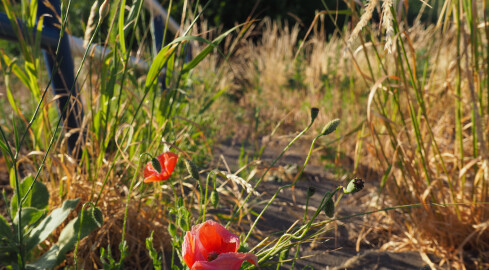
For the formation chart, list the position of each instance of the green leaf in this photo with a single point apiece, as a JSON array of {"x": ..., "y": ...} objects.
[
  {"x": 153, "y": 254},
  {"x": 122, "y": 40},
  {"x": 30, "y": 216},
  {"x": 92, "y": 219},
  {"x": 5, "y": 230},
  {"x": 169, "y": 70},
  {"x": 50, "y": 223},
  {"x": 38, "y": 197},
  {"x": 47, "y": 260},
  {"x": 158, "y": 63}
]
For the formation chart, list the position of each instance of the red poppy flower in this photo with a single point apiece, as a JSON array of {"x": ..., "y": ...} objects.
[
  {"x": 167, "y": 162},
  {"x": 209, "y": 246}
]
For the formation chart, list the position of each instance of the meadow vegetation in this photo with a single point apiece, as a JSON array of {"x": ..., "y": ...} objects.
[{"x": 412, "y": 101}]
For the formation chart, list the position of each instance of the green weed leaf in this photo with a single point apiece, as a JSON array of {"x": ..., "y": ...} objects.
[
  {"x": 50, "y": 223},
  {"x": 5, "y": 230},
  {"x": 38, "y": 196},
  {"x": 30, "y": 216},
  {"x": 69, "y": 237}
]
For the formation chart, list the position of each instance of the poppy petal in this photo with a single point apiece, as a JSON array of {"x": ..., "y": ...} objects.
[
  {"x": 190, "y": 253},
  {"x": 152, "y": 178},
  {"x": 167, "y": 161},
  {"x": 214, "y": 238},
  {"x": 226, "y": 261}
]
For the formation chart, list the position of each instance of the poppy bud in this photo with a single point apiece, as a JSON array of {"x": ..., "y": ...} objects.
[
  {"x": 331, "y": 126},
  {"x": 172, "y": 229},
  {"x": 314, "y": 113},
  {"x": 156, "y": 164},
  {"x": 192, "y": 169},
  {"x": 329, "y": 208},
  {"x": 183, "y": 223},
  {"x": 310, "y": 191},
  {"x": 214, "y": 198},
  {"x": 355, "y": 185}
]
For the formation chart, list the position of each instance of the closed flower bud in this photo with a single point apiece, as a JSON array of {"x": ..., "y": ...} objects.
[
  {"x": 314, "y": 113},
  {"x": 214, "y": 198},
  {"x": 183, "y": 223},
  {"x": 192, "y": 169},
  {"x": 355, "y": 185},
  {"x": 172, "y": 229},
  {"x": 329, "y": 208},
  {"x": 330, "y": 127},
  {"x": 156, "y": 164},
  {"x": 310, "y": 191}
]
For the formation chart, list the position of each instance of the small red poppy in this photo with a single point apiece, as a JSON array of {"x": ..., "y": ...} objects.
[
  {"x": 209, "y": 246},
  {"x": 167, "y": 161}
]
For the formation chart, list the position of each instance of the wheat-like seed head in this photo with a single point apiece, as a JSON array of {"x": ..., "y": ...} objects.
[
  {"x": 369, "y": 10},
  {"x": 387, "y": 19},
  {"x": 90, "y": 24}
]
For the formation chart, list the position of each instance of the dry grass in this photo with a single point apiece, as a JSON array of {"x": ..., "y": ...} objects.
[
  {"x": 144, "y": 216},
  {"x": 271, "y": 85}
]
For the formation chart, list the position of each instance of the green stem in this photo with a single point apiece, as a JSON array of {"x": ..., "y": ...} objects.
[{"x": 263, "y": 176}]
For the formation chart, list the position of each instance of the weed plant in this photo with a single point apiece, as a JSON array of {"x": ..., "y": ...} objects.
[{"x": 128, "y": 119}]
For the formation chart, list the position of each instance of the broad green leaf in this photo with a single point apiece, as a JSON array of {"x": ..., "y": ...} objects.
[
  {"x": 38, "y": 197},
  {"x": 47, "y": 260},
  {"x": 30, "y": 216},
  {"x": 50, "y": 223},
  {"x": 92, "y": 219},
  {"x": 8, "y": 256},
  {"x": 5, "y": 230}
]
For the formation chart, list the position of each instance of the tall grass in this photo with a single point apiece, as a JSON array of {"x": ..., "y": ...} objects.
[
  {"x": 126, "y": 114},
  {"x": 128, "y": 117},
  {"x": 414, "y": 103},
  {"x": 425, "y": 111}
]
